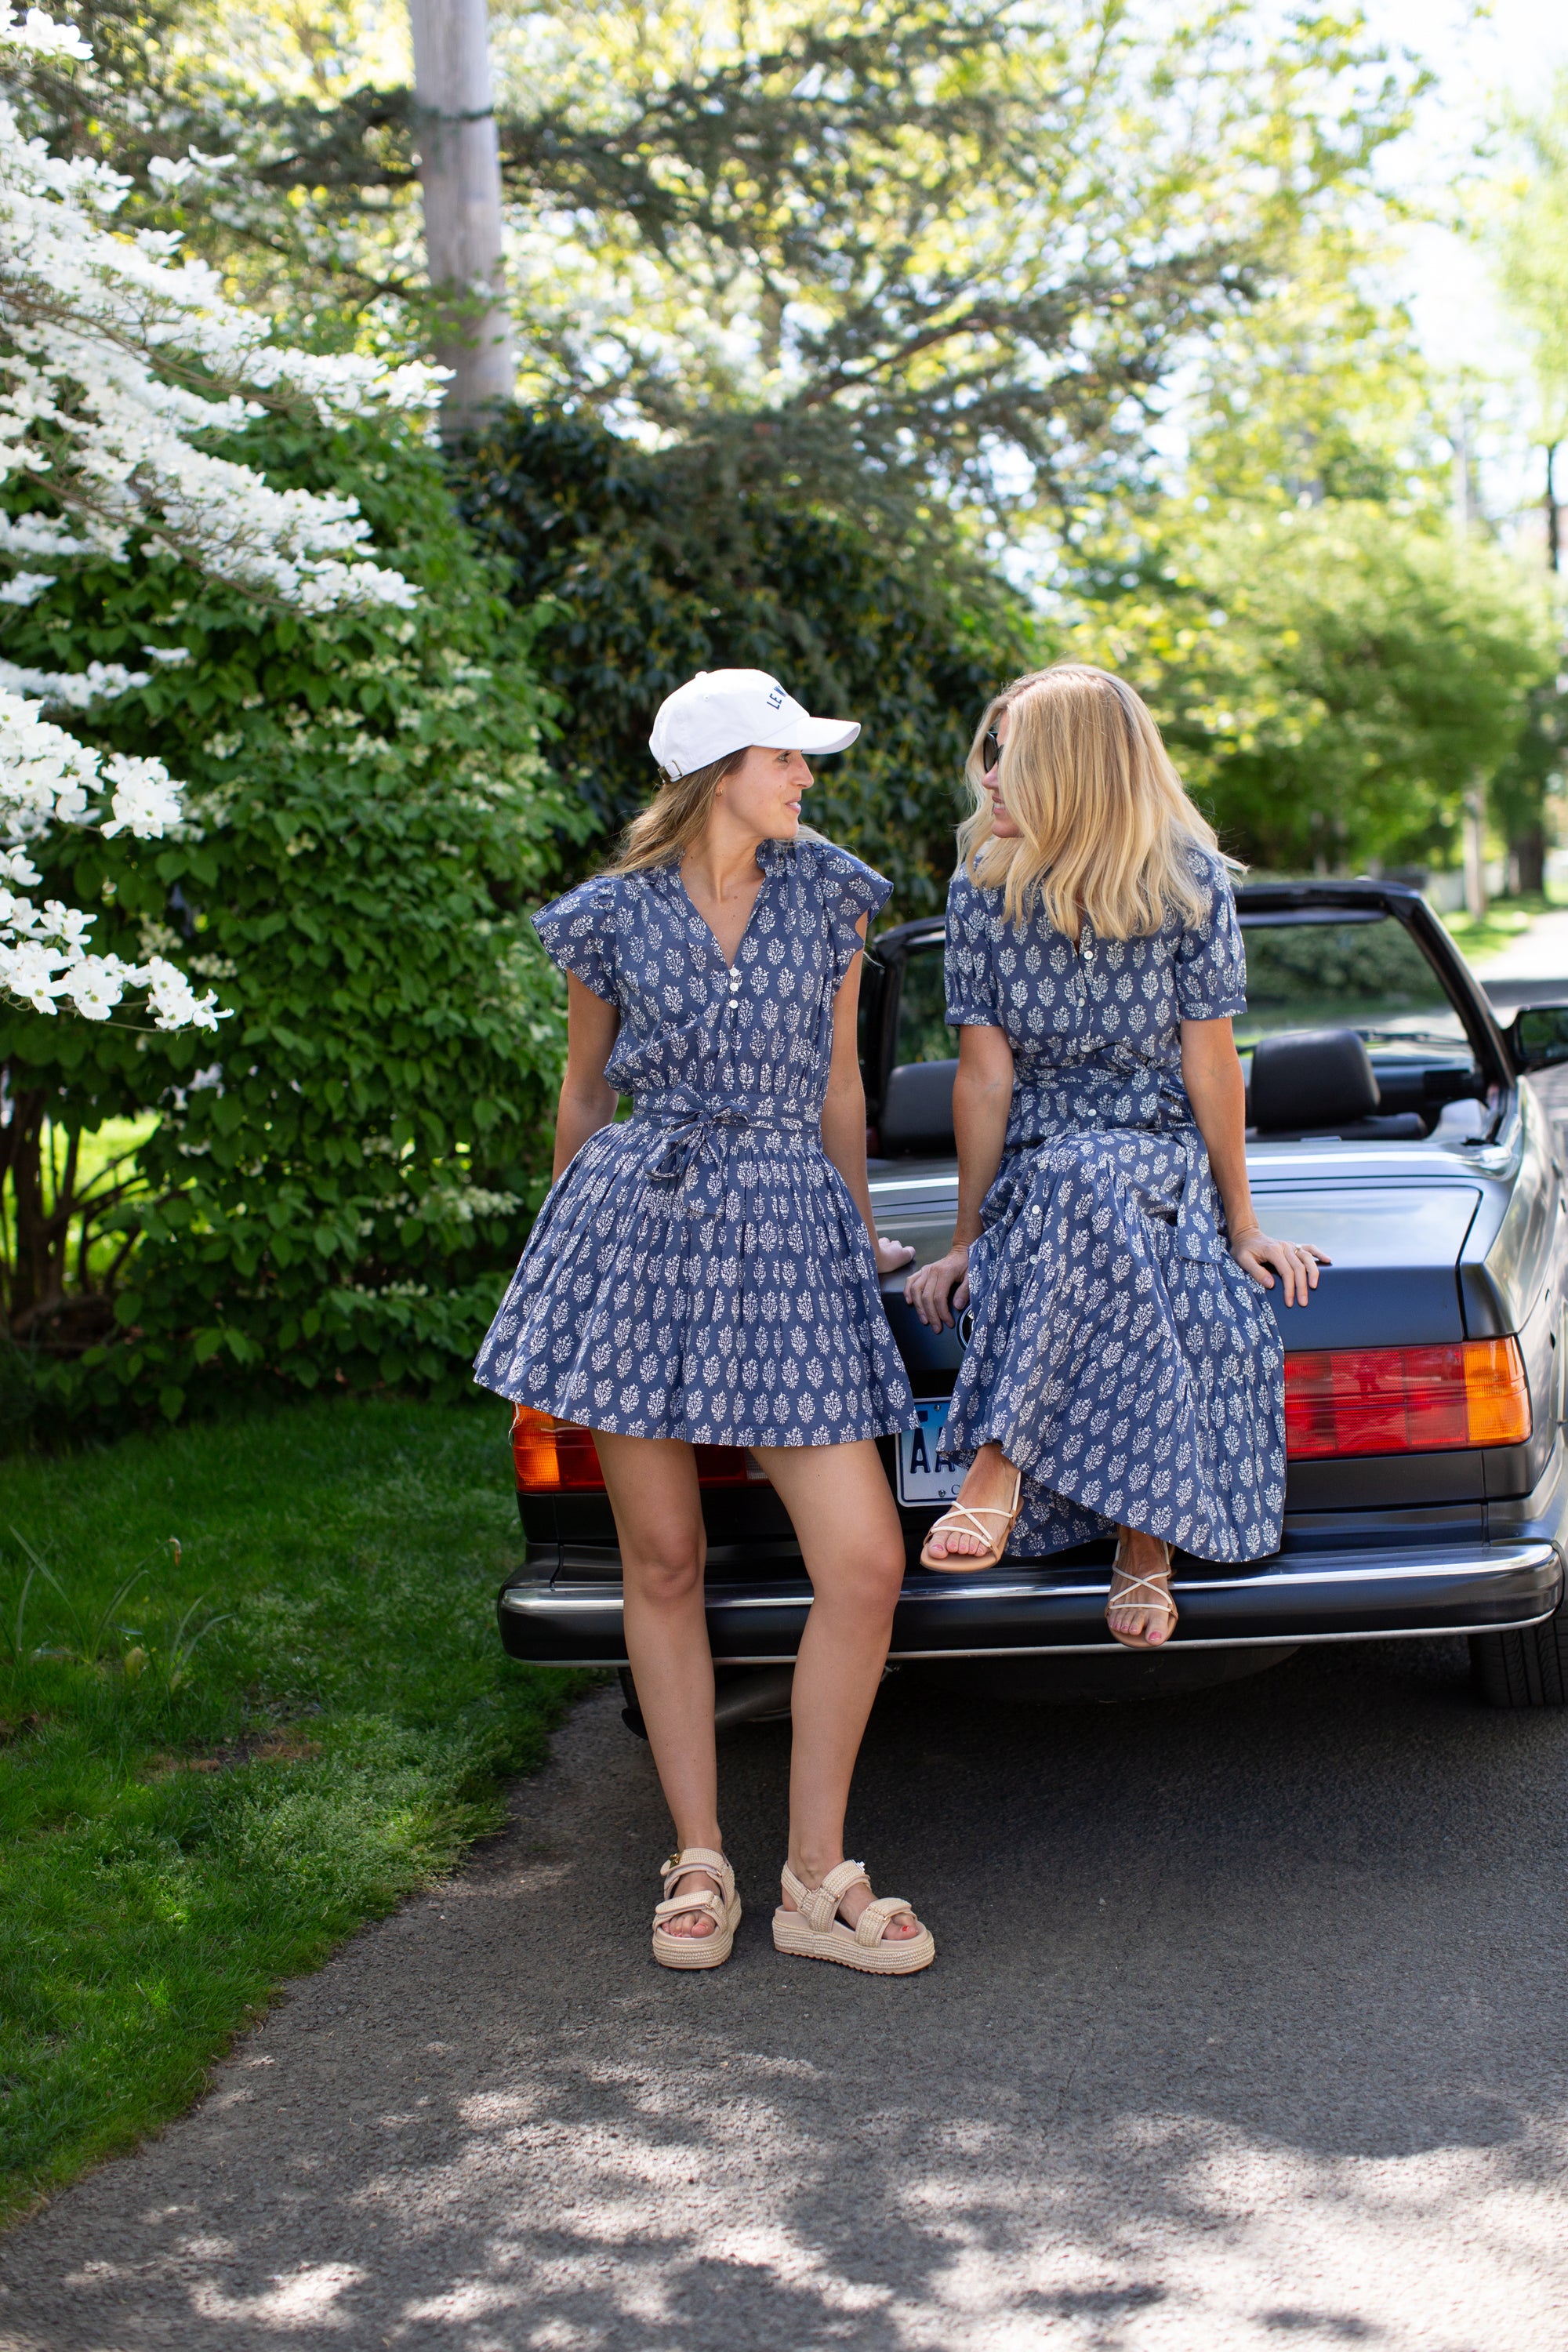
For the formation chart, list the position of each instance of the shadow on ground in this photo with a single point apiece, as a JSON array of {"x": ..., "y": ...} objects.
[{"x": 1245, "y": 2031}]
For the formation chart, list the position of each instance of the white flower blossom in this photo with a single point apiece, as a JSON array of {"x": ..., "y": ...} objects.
[
  {"x": 46, "y": 38},
  {"x": 146, "y": 800},
  {"x": 118, "y": 361},
  {"x": 69, "y": 925},
  {"x": 45, "y": 775},
  {"x": 95, "y": 985},
  {"x": 118, "y": 354},
  {"x": 73, "y": 689},
  {"x": 47, "y": 778},
  {"x": 31, "y": 972},
  {"x": 174, "y": 1003},
  {"x": 26, "y": 587}
]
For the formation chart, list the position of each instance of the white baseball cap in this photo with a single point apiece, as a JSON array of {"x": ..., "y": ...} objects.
[{"x": 724, "y": 711}]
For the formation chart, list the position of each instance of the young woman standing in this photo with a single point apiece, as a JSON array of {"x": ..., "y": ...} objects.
[
  {"x": 705, "y": 1272},
  {"x": 1124, "y": 1374}
]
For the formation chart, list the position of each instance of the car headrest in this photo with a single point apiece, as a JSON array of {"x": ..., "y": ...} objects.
[
  {"x": 1312, "y": 1078},
  {"x": 917, "y": 1109}
]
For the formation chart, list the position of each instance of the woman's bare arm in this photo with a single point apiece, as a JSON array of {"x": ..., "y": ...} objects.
[
  {"x": 1211, "y": 1072},
  {"x": 587, "y": 1099},
  {"x": 844, "y": 1113},
  {"x": 982, "y": 1100}
]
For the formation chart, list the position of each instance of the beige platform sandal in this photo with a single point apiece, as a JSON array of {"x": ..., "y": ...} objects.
[
  {"x": 963, "y": 1519},
  {"x": 722, "y": 1903},
  {"x": 1141, "y": 1593},
  {"x": 813, "y": 1930}
]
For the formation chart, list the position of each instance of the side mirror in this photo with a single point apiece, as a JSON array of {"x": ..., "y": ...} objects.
[{"x": 1539, "y": 1037}]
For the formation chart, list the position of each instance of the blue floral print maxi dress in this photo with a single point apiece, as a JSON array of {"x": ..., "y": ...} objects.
[
  {"x": 700, "y": 1270},
  {"x": 1118, "y": 1354}
]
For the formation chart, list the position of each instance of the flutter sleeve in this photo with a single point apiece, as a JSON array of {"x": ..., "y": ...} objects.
[
  {"x": 1211, "y": 958},
  {"x": 973, "y": 1001},
  {"x": 578, "y": 934},
  {"x": 849, "y": 890}
]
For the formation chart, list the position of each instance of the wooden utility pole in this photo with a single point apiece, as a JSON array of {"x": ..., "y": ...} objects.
[{"x": 460, "y": 170}]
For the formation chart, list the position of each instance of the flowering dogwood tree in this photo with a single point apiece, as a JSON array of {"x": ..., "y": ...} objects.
[{"x": 118, "y": 361}]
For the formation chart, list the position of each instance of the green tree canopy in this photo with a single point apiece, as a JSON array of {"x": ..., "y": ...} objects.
[
  {"x": 1528, "y": 233},
  {"x": 894, "y": 252},
  {"x": 1332, "y": 678},
  {"x": 649, "y": 583}
]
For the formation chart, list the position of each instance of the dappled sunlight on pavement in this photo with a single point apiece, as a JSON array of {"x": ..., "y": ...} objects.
[{"x": 1244, "y": 2031}]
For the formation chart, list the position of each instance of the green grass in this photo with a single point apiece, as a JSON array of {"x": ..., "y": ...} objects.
[
  {"x": 290, "y": 1716},
  {"x": 1501, "y": 924}
]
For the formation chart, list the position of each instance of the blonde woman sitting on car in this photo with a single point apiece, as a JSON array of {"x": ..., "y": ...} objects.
[{"x": 1125, "y": 1374}]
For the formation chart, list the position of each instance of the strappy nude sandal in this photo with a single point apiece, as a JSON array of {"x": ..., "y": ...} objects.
[
  {"x": 722, "y": 1903},
  {"x": 963, "y": 1519},
  {"x": 1157, "y": 1589},
  {"x": 813, "y": 1930}
]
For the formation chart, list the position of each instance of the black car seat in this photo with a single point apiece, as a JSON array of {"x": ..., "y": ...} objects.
[
  {"x": 917, "y": 1109},
  {"x": 1308, "y": 1082}
]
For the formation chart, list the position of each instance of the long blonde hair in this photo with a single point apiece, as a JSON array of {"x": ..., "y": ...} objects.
[
  {"x": 674, "y": 819},
  {"x": 1106, "y": 828}
]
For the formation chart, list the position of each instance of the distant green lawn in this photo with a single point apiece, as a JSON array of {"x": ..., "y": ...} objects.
[
  {"x": 1503, "y": 922},
  {"x": 267, "y": 1738}
]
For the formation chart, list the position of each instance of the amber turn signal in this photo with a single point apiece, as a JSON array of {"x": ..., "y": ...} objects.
[{"x": 559, "y": 1457}]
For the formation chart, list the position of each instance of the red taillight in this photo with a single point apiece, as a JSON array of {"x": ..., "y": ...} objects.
[
  {"x": 559, "y": 1457},
  {"x": 1405, "y": 1400}
]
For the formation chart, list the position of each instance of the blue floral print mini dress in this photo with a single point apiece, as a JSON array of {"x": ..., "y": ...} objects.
[
  {"x": 1119, "y": 1356},
  {"x": 700, "y": 1270}
]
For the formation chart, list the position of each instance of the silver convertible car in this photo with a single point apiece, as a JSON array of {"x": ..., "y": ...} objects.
[{"x": 1392, "y": 1120}]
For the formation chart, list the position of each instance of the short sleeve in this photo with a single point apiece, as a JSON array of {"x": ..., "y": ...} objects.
[
  {"x": 849, "y": 890},
  {"x": 973, "y": 1001},
  {"x": 578, "y": 935},
  {"x": 1210, "y": 960}
]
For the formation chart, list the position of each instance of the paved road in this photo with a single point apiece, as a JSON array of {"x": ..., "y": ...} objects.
[{"x": 1246, "y": 2031}]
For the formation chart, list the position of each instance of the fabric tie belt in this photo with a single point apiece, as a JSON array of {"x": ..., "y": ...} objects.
[
  {"x": 693, "y": 1127},
  {"x": 1116, "y": 1089}
]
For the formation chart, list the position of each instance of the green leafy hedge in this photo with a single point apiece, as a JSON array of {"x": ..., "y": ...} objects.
[
  {"x": 656, "y": 572},
  {"x": 338, "y": 1184}
]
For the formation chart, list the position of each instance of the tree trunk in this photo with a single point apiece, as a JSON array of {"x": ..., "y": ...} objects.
[
  {"x": 460, "y": 170},
  {"x": 1527, "y": 854},
  {"x": 1476, "y": 850},
  {"x": 1462, "y": 480},
  {"x": 42, "y": 1224},
  {"x": 1553, "y": 520}
]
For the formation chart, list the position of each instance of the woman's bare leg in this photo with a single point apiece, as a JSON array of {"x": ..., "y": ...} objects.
[
  {"x": 988, "y": 1485},
  {"x": 838, "y": 1499},
  {"x": 652, "y": 1485}
]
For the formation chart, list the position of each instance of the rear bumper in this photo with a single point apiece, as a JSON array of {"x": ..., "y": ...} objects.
[{"x": 1022, "y": 1610}]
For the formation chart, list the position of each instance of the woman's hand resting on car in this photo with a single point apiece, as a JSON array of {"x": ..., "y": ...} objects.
[
  {"x": 939, "y": 1293},
  {"x": 1296, "y": 1262},
  {"x": 891, "y": 1254}
]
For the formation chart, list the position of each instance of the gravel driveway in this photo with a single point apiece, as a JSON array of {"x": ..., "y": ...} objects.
[{"x": 1245, "y": 2030}]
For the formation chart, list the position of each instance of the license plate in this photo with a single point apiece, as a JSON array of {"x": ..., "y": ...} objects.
[{"x": 921, "y": 1480}]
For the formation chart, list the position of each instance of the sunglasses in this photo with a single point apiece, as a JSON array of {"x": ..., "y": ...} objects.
[{"x": 991, "y": 749}]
